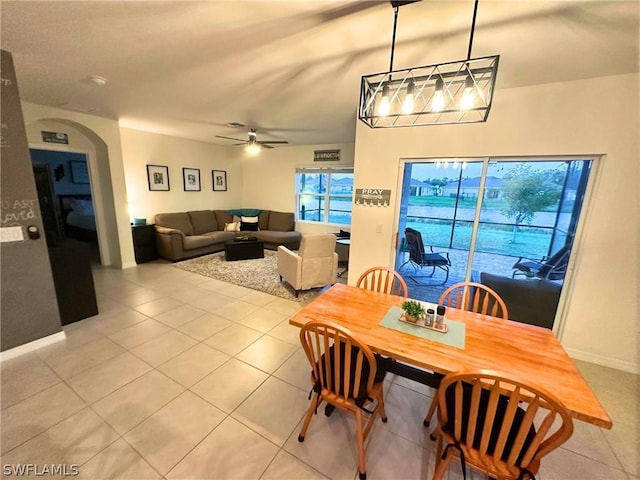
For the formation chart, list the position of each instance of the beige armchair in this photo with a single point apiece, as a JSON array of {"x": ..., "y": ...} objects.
[{"x": 315, "y": 264}]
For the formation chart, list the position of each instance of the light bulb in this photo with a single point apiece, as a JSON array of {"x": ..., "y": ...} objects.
[
  {"x": 446, "y": 164},
  {"x": 252, "y": 148},
  {"x": 438, "y": 164},
  {"x": 437, "y": 104},
  {"x": 468, "y": 97},
  {"x": 464, "y": 165},
  {"x": 407, "y": 105},
  {"x": 385, "y": 106},
  {"x": 455, "y": 164}
]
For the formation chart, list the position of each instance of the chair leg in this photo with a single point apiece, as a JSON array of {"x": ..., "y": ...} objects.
[
  {"x": 312, "y": 409},
  {"x": 447, "y": 276},
  {"x": 383, "y": 413},
  {"x": 442, "y": 464},
  {"x": 432, "y": 409},
  {"x": 360, "y": 438}
]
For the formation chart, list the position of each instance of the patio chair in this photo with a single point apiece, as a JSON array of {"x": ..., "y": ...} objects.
[
  {"x": 501, "y": 426},
  {"x": 547, "y": 268},
  {"x": 418, "y": 258},
  {"x": 344, "y": 374}
]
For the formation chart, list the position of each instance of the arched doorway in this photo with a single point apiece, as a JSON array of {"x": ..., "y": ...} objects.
[{"x": 85, "y": 141}]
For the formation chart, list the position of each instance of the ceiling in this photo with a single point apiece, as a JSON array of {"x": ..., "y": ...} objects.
[{"x": 289, "y": 68}]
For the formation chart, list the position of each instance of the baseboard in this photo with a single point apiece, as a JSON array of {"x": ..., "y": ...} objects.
[
  {"x": 31, "y": 346},
  {"x": 604, "y": 361}
]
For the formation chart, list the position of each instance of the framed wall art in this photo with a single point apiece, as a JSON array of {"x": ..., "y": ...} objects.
[
  {"x": 191, "y": 179},
  {"x": 158, "y": 177},
  {"x": 219, "y": 179},
  {"x": 79, "y": 172}
]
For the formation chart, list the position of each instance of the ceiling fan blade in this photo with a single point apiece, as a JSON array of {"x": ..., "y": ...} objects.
[
  {"x": 265, "y": 145},
  {"x": 239, "y": 144},
  {"x": 230, "y": 138},
  {"x": 264, "y": 142}
]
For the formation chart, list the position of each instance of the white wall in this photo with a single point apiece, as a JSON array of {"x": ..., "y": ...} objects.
[
  {"x": 269, "y": 178},
  {"x": 105, "y": 164},
  {"x": 595, "y": 116},
  {"x": 142, "y": 148}
]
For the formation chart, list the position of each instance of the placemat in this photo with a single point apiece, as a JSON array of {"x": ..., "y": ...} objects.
[{"x": 454, "y": 336}]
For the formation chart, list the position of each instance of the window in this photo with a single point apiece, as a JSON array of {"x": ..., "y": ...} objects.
[{"x": 324, "y": 195}]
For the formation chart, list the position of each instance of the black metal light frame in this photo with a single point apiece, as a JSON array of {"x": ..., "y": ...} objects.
[{"x": 450, "y": 81}]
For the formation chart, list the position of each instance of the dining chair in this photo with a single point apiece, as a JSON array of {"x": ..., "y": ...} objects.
[
  {"x": 345, "y": 374},
  {"x": 500, "y": 425},
  {"x": 472, "y": 297},
  {"x": 383, "y": 279}
]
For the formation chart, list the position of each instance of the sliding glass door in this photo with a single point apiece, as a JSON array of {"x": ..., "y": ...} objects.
[{"x": 506, "y": 223}]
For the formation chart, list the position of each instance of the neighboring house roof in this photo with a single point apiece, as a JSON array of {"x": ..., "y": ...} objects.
[
  {"x": 343, "y": 181},
  {"x": 418, "y": 183}
]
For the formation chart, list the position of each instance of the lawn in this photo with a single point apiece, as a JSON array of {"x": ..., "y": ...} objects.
[
  {"x": 530, "y": 242},
  {"x": 487, "y": 203}
]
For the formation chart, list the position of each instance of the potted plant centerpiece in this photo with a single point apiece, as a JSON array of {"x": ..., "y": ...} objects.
[{"x": 413, "y": 311}]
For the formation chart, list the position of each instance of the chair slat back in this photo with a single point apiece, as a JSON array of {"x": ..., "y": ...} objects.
[
  {"x": 383, "y": 279},
  {"x": 342, "y": 366},
  {"x": 474, "y": 297},
  {"x": 502, "y": 424},
  {"x": 416, "y": 246}
]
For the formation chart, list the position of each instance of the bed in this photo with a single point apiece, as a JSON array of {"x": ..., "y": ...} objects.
[{"x": 78, "y": 216}]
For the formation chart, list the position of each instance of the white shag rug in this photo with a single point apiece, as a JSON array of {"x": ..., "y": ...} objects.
[{"x": 258, "y": 274}]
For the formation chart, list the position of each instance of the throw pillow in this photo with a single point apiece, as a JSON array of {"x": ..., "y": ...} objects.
[
  {"x": 232, "y": 227},
  {"x": 249, "y": 226}
]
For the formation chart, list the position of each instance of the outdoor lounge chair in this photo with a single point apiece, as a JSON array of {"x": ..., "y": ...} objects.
[
  {"x": 418, "y": 258},
  {"x": 547, "y": 268}
]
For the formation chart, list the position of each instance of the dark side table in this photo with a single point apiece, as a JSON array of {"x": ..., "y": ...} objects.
[
  {"x": 243, "y": 250},
  {"x": 144, "y": 242}
]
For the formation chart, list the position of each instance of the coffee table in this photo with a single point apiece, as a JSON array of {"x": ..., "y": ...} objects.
[{"x": 243, "y": 250}]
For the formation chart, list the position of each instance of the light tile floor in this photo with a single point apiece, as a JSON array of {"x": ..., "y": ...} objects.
[{"x": 184, "y": 377}]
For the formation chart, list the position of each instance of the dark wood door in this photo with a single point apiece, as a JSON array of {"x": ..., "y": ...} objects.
[{"x": 47, "y": 206}]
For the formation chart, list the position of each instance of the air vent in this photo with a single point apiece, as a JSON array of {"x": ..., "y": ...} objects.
[{"x": 78, "y": 108}]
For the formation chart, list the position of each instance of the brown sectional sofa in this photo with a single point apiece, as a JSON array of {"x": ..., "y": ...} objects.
[{"x": 190, "y": 234}]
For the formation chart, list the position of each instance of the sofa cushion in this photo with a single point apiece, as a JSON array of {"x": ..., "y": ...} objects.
[
  {"x": 179, "y": 221},
  {"x": 281, "y": 222},
  {"x": 203, "y": 221},
  {"x": 221, "y": 237},
  {"x": 196, "y": 241},
  {"x": 223, "y": 217},
  {"x": 281, "y": 238},
  {"x": 263, "y": 219}
]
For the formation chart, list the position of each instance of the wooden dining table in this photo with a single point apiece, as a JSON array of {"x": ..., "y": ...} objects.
[{"x": 526, "y": 351}]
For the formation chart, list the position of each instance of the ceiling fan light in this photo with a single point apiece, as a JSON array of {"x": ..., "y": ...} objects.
[{"x": 252, "y": 148}]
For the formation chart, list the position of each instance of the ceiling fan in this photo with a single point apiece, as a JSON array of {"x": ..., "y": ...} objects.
[{"x": 253, "y": 145}]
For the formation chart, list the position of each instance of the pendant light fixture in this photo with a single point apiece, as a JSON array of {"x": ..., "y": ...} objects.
[{"x": 445, "y": 93}]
